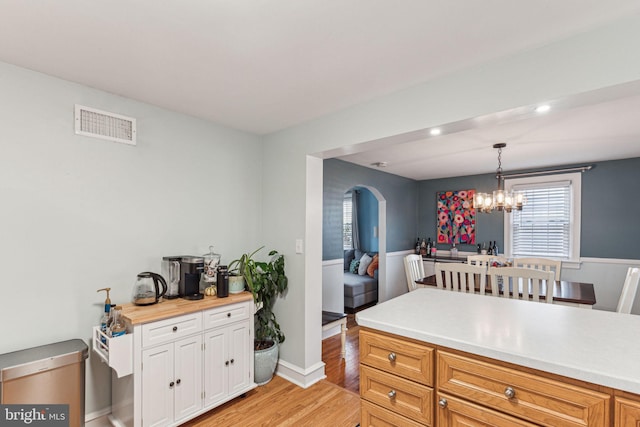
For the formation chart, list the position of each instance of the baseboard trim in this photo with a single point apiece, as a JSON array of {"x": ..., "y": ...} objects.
[
  {"x": 304, "y": 378},
  {"x": 96, "y": 415}
]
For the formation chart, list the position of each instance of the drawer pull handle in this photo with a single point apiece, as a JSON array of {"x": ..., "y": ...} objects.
[
  {"x": 392, "y": 394},
  {"x": 171, "y": 384},
  {"x": 392, "y": 357},
  {"x": 509, "y": 392},
  {"x": 178, "y": 381},
  {"x": 175, "y": 328},
  {"x": 442, "y": 402}
]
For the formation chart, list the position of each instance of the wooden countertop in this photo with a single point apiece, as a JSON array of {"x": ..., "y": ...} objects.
[{"x": 138, "y": 314}]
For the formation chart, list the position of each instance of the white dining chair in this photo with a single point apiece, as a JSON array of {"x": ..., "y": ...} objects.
[
  {"x": 540, "y": 264},
  {"x": 414, "y": 269},
  {"x": 522, "y": 283},
  {"x": 629, "y": 290},
  {"x": 459, "y": 277},
  {"x": 485, "y": 259}
]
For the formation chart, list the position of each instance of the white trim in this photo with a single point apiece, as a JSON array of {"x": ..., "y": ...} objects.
[
  {"x": 332, "y": 262},
  {"x": 576, "y": 206},
  {"x": 610, "y": 261},
  {"x": 304, "y": 378}
]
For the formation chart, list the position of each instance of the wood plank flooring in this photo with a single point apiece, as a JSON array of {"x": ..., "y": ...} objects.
[{"x": 333, "y": 402}]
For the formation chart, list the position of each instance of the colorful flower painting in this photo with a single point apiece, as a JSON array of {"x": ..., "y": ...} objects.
[{"x": 456, "y": 217}]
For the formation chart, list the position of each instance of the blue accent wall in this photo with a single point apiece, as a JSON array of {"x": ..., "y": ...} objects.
[
  {"x": 367, "y": 219},
  {"x": 400, "y": 194},
  {"x": 610, "y": 209}
]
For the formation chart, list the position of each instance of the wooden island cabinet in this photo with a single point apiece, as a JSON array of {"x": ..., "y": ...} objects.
[{"x": 410, "y": 378}]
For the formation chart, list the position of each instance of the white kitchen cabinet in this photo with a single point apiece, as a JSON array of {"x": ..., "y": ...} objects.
[
  {"x": 187, "y": 357},
  {"x": 227, "y": 369},
  {"x": 171, "y": 381}
]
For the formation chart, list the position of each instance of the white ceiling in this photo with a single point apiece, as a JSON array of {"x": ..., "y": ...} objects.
[{"x": 265, "y": 65}]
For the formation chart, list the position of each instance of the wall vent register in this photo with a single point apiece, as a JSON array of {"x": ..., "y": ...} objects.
[{"x": 105, "y": 125}]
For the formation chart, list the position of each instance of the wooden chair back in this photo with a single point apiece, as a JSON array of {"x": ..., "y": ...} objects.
[
  {"x": 522, "y": 283},
  {"x": 414, "y": 269},
  {"x": 629, "y": 290},
  {"x": 540, "y": 264},
  {"x": 485, "y": 259},
  {"x": 459, "y": 277}
]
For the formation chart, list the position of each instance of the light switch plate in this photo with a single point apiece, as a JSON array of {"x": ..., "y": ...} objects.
[{"x": 299, "y": 246}]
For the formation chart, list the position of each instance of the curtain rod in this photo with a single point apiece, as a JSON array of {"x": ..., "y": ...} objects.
[{"x": 549, "y": 172}]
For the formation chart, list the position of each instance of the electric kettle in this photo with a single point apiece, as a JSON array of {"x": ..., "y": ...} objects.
[{"x": 146, "y": 290}]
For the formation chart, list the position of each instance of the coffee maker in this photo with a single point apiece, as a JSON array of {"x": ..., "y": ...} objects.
[{"x": 191, "y": 267}]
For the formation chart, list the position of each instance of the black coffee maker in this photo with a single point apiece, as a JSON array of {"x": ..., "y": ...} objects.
[{"x": 191, "y": 267}]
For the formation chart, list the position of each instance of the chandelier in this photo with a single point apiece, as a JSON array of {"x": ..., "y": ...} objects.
[{"x": 500, "y": 200}]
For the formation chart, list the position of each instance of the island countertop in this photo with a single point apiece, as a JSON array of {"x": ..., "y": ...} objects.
[{"x": 596, "y": 346}]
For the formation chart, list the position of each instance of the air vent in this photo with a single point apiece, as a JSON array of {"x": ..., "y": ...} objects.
[{"x": 105, "y": 125}]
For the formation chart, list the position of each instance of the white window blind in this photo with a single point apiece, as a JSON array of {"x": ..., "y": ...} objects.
[
  {"x": 347, "y": 222},
  {"x": 543, "y": 228}
]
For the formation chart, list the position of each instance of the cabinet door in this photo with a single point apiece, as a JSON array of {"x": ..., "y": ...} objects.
[
  {"x": 627, "y": 412},
  {"x": 216, "y": 374},
  {"x": 188, "y": 376},
  {"x": 240, "y": 357},
  {"x": 454, "y": 412},
  {"x": 157, "y": 385}
]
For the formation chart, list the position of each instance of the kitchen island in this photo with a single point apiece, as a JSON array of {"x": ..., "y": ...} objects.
[{"x": 476, "y": 345}]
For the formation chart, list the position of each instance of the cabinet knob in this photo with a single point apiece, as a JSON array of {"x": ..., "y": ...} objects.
[
  {"x": 232, "y": 361},
  {"x": 226, "y": 363},
  {"x": 228, "y": 314},
  {"x": 171, "y": 384},
  {"x": 178, "y": 381},
  {"x": 392, "y": 357},
  {"x": 442, "y": 402},
  {"x": 175, "y": 328},
  {"x": 392, "y": 394},
  {"x": 509, "y": 392}
]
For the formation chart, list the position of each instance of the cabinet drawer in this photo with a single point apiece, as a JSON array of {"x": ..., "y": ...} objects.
[
  {"x": 457, "y": 412},
  {"x": 537, "y": 399},
  {"x": 171, "y": 329},
  {"x": 627, "y": 412},
  {"x": 397, "y": 356},
  {"x": 225, "y": 315},
  {"x": 373, "y": 415},
  {"x": 399, "y": 395}
]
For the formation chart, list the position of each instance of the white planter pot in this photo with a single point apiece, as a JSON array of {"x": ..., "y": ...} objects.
[
  {"x": 236, "y": 284},
  {"x": 264, "y": 364}
]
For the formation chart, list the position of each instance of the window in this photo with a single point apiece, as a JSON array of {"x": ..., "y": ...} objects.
[
  {"x": 347, "y": 221},
  {"x": 549, "y": 224}
]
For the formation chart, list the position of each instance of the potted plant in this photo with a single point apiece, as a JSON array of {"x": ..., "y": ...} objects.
[{"x": 266, "y": 281}]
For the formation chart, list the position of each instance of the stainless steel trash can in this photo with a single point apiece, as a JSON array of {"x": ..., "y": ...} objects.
[{"x": 49, "y": 374}]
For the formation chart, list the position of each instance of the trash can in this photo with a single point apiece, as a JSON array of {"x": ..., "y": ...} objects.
[{"x": 51, "y": 374}]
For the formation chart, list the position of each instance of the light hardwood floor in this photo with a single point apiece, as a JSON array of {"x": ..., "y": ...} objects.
[{"x": 333, "y": 402}]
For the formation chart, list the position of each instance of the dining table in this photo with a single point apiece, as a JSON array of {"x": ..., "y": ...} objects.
[{"x": 576, "y": 294}]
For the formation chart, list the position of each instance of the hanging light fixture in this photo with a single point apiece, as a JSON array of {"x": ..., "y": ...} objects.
[{"x": 500, "y": 200}]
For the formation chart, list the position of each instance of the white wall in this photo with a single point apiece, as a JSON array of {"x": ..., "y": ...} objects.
[
  {"x": 587, "y": 62},
  {"x": 78, "y": 214}
]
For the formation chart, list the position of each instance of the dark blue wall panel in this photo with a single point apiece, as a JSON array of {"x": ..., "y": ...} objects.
[
  {"x": 367, "y": 220},
  {"x": 399, "y": 193}
]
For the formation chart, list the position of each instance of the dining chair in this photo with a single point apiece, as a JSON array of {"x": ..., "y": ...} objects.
[
  {"x": 540, "y": 264},
  {"x": 522, "y": 283},
  {"x": 414, "y": 269},
  {"x": 485, "y": 259},
  {"x": 629, "y": 290},
  {"x": 459, "y": 277}
]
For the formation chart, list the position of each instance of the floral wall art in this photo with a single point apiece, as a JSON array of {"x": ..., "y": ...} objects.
[{"x": 456, "y": 217}]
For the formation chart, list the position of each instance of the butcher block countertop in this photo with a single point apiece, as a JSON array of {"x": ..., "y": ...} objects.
[
  {"x": 138, "y": 314},
  {"x": 596, "y": 346}
]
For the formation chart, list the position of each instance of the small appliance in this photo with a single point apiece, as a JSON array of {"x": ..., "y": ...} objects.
[
  {"x": 146, "y": 290},
  {"x": 171, "y": 271},
  {"x": 191, "y": 267}
]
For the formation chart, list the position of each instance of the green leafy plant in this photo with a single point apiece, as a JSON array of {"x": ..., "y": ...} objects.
[{"x": 267, "y": 281}]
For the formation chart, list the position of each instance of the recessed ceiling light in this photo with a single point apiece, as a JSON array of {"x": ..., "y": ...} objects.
[
  {"x": 543, "y": 108},
  {"x": 435, "y": 131},
  {"x": 380, "y": 164}
]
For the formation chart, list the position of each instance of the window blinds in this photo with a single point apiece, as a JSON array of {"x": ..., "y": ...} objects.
[
  {"x": 347, "y": 220},
  {"x": 543, "y": 227}
]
